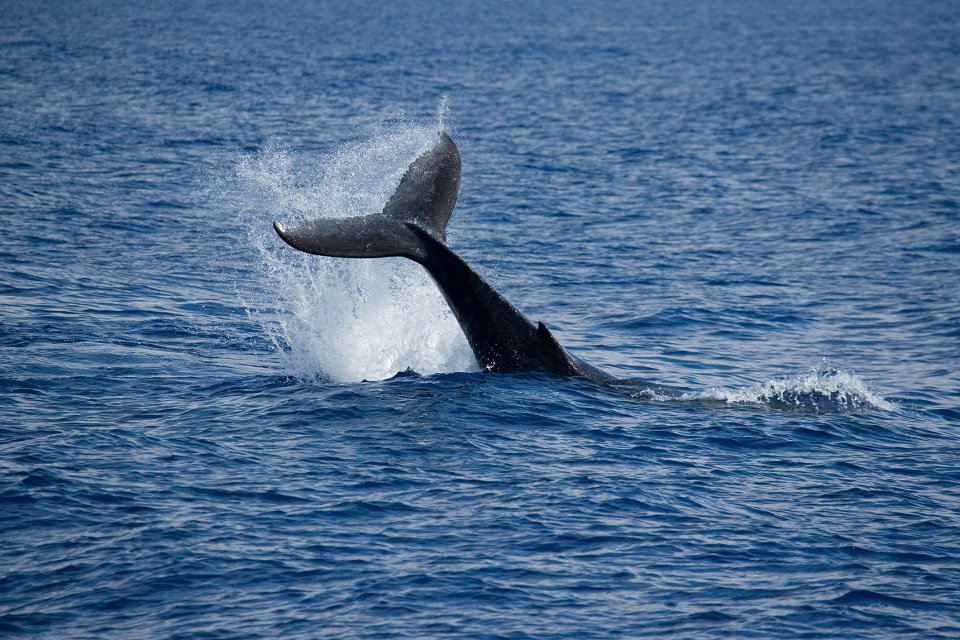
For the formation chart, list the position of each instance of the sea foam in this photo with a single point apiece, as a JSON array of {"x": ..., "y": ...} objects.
[{"x": 823, "y": 389}]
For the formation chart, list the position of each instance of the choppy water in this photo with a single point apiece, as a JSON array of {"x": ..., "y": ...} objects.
[{"x": 201, "y": 430}]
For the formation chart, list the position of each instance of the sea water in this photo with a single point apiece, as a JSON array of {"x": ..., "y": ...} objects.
[{"x": 204, "y": 433}]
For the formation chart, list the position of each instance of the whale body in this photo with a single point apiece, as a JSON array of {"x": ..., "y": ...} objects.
[{"x": 413, "y": 225}]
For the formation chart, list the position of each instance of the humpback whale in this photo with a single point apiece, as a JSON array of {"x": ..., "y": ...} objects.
[{"x": 413, "y": 225}]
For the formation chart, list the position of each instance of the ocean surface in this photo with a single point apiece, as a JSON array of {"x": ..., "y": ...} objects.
[{"x": 206, "y": 434}]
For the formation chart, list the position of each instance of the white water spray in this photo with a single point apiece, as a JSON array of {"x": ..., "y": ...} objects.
[
  {"x": 345, "y": 319},
  {"x": 824, "y": 388}
]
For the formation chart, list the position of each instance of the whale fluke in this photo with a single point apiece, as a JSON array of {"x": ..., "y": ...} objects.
[
  {"x": 413, "y": 225},
  {"x": 424, "y": 198}
]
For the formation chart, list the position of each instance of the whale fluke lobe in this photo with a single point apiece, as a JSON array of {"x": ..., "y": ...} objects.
[
  {"x": 413, "y": 225},
  {"x": 428, "y": 191},
  {"x": 425, "y": 198},
  {"x": 374, "y": 236}
]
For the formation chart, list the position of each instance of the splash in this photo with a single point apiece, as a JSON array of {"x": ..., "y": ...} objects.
[
  {"x": 824, "y": 389},
  {"x": 345, "y": 320},
  {"x": 443, "y": 110}
]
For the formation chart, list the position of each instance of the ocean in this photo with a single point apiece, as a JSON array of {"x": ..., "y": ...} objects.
[{"x": 207, "y": 434}]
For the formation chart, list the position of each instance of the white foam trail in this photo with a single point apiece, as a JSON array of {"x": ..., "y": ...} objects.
[
  {"x": 348, "y": 320},
  {"x": 823, "y": 388}
]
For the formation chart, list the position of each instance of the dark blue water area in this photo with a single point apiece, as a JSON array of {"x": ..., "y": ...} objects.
[{"x": 756, "y": 204}]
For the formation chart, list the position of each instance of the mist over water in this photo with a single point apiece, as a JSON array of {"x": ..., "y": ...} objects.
[{"x": 347, "y": 320}]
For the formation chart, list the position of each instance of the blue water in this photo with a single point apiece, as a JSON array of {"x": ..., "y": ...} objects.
[{"x": 202, "y": 433}]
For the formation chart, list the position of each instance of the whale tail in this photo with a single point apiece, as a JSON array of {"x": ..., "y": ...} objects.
[
  {"x": 422, "y": 201},
  {"x": 413, "y": 225}
]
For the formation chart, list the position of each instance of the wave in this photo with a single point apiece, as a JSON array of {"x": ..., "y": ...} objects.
[{"x": 824, "y": 389}]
